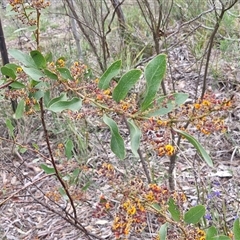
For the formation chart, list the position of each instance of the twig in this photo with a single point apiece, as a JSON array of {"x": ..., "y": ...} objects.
[
  {"x": 53, "y": 161},
  {"x": 23, "y": 188},
  {"x": 211, "y": 41},
  {"x": 6, "y": 84}
]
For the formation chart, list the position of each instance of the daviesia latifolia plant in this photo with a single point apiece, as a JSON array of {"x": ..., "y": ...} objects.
[{"x": 40, "y": 84}]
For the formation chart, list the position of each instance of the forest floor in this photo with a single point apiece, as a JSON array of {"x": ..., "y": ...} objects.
[{"x": 31, "y": 206}]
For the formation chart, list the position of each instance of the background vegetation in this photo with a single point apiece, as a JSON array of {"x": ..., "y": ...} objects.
[{"x": 127, "y": 124}]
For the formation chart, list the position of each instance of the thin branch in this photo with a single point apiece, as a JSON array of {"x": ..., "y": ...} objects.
[
  {"x": 53, "y": 160},
  {"x": 211, "y": 42},
  {"x": 23, "y": 188}
]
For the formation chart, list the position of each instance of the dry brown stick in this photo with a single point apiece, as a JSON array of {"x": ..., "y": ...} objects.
[{"x": 53, "y": 160}]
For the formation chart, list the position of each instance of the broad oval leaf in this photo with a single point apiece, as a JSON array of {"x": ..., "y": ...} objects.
[
  {"x": 74, "y": 105},
  {"x": 38, "y": 58},
  {"x": 17, "y": 85},
  {"x": 135, "y": 136},
  {"x": 62, "y": 97},
  {"x": 47, "y": 169},
  {"x": 33, "y": 73},
  {"x": 37, "y": 95},
  {"x": 8, "y": 72},
  {"x": 174, "y": 210},
  {"x": 50, "y": 74},
  {"x": 117, "y": 143},
  {"x": 23, "y": 58},
  {"x": 65, "y": 73},
  {"x": 46, "y": 97},
  {"x": 197, "y": 145},
  {"x": 125, "y": 84},
  {"x": 13, "y": 66},
  {"x": 168, "y": 103},
  {"x": 180, "y": 98},
  {"x": 211, "y": 232},
  {"x": 42, "y": 85},
  {"x": 20, "y": 109},
  {"x": 194, "y": 214},
  {"x": 163, "y": 231},
  {"x": 154, "y": 73},
  {"x": 107, "y": 76},
  {"x": 236, "y": 229}
]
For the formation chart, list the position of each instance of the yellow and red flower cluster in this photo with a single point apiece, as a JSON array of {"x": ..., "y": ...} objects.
[
  {"x": 134, "y": 208},
  {"x": 27, "y": 17},
  {"x": 207, "y": 117},
  {"x": 166, "y": 150}
]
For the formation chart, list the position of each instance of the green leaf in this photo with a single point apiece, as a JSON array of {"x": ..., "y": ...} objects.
[
  {"x": 117, "y": 143},
  {"x": 46, "y": 169},
  {"x": 110, "y": 73},
  {"x": 13, "y": 66},
  {"x": 174, "y": 210},
  {"x": 30, "y": 29},
  {"x": 156, "y": 207},
  {"x": 35, "y": 146},
  {"x": 62, "y": 97},
  {"x": 33, "y": 73},
  {"x": 168, "y": 103},
  {"x": 50, "y": 74},
  {"x": 38, "y": 58},
  {"x": 8, "y": 72},
  {"x": 154, "y": 73},
  {"x": 194, "y": 214},
  {"x": 211, "y": 232},
  {"x": 17, "y": 85},
  {"x": 74, "y": 105},
  {"x": 135, "y": 136},
  {"x": 125, "y": 84},
  {"x": 65, "y": 73},
  {"x": 86, "y": 186},
  {"x": 63, "y": 193},
  {"x": 163, "y": 231},
  {"x": 74, "y": 176},
  {"x": 42, "y": 85},
  {"x": 180, "y": 98},
  {"x": 10, "y": 127},
  {"x": 197, "y": 145},
  {"x": 49, "y": 57},
  {"x": 22, "y": 150},
  {"x": 20, "y": 109},
  {"x": 22, "y": 58},
  {"x": 68, "y": 148},
  {"x": 37, "y": 95},
  {"x": 46, "y": 98},
  {"x": 236, "y": 229},
  {"x": 10, "y": 12}
]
